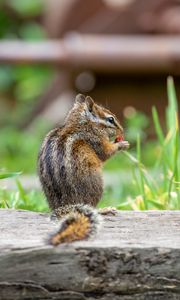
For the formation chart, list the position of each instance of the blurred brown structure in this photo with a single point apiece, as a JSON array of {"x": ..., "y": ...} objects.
[{"x": 118, "y": 51}]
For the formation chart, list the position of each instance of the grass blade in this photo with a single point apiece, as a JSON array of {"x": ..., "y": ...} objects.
[
  {"x": 8, "y": 175},
  {"x": 157, "y": 126},
  {"x": 140, "y": 171},
  {"x": 172, "y": 105}
]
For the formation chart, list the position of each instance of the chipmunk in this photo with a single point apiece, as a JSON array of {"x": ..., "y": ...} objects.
[{"x": 69, "y": 166}]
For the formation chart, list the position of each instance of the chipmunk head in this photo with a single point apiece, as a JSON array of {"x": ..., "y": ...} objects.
[{"x": 88, "y": 111}]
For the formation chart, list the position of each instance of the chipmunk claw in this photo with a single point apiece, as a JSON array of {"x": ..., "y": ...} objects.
[{"x": 108, "y": 211}]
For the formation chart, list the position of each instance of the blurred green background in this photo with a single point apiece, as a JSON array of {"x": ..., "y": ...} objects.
[{"x": 146, "y": 177}]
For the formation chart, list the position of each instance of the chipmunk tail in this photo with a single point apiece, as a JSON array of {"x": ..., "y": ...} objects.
[{"x": 81, "y": 223}]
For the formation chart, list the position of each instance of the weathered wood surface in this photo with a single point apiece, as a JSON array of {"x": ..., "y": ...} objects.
[{"x": 135, "y": 255}]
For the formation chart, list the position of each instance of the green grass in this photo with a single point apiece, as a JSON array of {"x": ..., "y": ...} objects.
[
  {"x": 145, "y": 177},
  {"x": 158, "y": 188},
  {"x": 20, "y": 198}
]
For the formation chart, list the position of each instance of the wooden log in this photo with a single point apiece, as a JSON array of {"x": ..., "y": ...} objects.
[
  {"x": 135, "y": 255},
  {"x": 99, "y": 53}
]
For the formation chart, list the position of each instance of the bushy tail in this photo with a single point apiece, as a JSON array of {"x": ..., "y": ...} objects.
[{"x": 81, "y": 223}]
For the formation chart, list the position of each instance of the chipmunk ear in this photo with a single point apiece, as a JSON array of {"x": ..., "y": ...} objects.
[
  {"x": 80, "y": 98},
  {"x": 90, "y": 103}
]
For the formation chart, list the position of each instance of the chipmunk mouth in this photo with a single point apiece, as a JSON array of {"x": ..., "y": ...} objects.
[{"x": 116, "y": 135}]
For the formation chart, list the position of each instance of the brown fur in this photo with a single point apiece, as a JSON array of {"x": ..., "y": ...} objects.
[{"x": 71, "y": 157}]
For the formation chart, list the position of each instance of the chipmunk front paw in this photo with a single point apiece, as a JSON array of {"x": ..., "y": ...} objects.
[{"x": 123, "y": 145}]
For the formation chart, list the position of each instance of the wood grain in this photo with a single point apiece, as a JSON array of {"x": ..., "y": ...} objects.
[{"x": 135, "y": 255}]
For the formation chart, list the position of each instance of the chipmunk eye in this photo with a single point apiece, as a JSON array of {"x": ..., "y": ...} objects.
[{"x": 110, "y": 120}]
